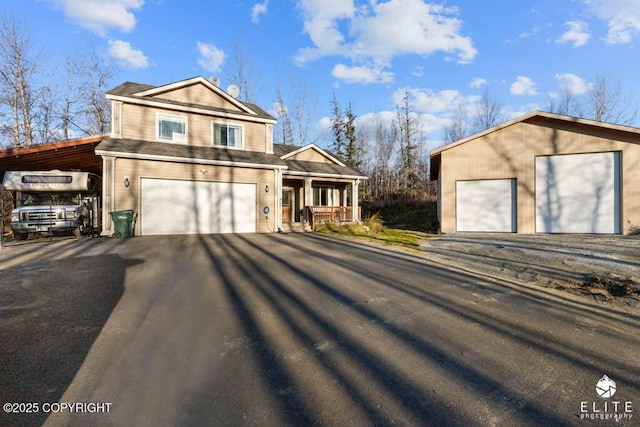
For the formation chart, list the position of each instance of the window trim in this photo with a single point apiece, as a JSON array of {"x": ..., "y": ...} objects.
[
  {"x": 170, "y": 117},
  {"x": 235, "y": 125}
]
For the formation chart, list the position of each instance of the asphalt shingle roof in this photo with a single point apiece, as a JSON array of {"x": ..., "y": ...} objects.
[
  {"x": 130, "y": 89},
  {"x": 149, "y": 148},
  {"x": 180, "y": 151}
]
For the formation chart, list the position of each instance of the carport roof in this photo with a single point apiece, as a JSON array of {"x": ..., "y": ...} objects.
[{"x": 72, "y": 154}]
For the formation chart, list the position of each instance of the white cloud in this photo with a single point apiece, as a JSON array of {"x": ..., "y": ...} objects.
[
  {"x": 575, "y": 84},
  {"x": 211, "y": 58},
  {"x": 100, "y": 15},
  {"x": 379, "y": 31},
  {"x": 477, "y": 83},
  {"x": 525, "y": 35},
  {"x": 418, "y": 71},
  {"x": 361, "y": 74},
  {"x": 321, "y": 19},
  {"x": 428, "y": 101},
  {"x": 578, "y": 33},
  {"x": 428, "y": 123},
  {"x": 257, "y": 10},
  {"x": 401, "y": 27},
  {"x": 523, "y": 86},
  {"x": 622, "y": 17},
  {"x": 126, "y": 55}
]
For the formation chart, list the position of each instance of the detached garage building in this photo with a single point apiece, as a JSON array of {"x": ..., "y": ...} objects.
[{"x": 541, "y": 173}]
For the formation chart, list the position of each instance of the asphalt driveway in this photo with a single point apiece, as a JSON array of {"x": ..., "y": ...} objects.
[{"x": 303, "y": 329}]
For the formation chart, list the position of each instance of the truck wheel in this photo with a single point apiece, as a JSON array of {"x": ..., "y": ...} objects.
[{"x": 21, "y": 236}]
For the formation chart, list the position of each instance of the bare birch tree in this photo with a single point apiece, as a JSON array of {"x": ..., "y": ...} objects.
[
  {"x": 19, "y": 63},
  {"x": 304, "y": 107},
  {"x": 459, "y": 127},
  {"x": 96, "y": 74},
  {"x": 242, "y": 73},
  {"x": 382, "y": 176},
  {"x": 606, "y": 102},
  {"x": 284, "y": 130},
  {"x": 488, "y": 113},
  {"x": 566, "y": 104}
]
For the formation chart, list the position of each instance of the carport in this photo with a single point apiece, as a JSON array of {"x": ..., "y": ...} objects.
[
  {"x": 68, "y": 155},
  {"x": 64, "y": 155}
]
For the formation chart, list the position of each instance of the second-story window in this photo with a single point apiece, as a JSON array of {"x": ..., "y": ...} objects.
[
  {"x": 226, "y": 135},
  {"x": 172, "y": 128}
]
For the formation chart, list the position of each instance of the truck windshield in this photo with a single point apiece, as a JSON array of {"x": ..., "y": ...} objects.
[{"x": 53, "y": 199}]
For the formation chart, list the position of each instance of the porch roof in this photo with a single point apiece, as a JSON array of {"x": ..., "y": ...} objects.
[{"x": 315, "y": 169}]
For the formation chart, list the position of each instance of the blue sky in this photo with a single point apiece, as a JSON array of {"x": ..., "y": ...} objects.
[{"x": 367, "y": 52}]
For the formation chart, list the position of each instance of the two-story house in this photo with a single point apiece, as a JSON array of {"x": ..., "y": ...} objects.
[{"x": 192, "y": 159}]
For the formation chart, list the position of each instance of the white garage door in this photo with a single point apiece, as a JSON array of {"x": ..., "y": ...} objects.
[
  {"x": 196, "y": 207},
  {"x": 486, "y": 205},
  {"x": 578, "y": 193}
]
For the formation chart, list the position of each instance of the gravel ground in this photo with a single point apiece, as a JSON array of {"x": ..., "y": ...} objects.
[{"x": 601, "y": 268}]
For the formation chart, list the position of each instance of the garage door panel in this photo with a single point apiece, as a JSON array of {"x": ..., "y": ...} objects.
[
  {"x": 197, "y": 207},
  {"x": 578, "y": 193},
  {"x": 486, "y": 205}
]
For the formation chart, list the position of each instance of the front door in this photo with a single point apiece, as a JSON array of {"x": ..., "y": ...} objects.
[{"x": 287, "y": 198}]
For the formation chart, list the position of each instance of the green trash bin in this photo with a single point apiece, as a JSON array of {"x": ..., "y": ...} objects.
[{"x": 123, "y": 222}]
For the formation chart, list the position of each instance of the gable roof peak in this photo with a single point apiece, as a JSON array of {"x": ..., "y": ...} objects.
[
  {"x": 538, "y": 114},
  {"x": 297, "y": 150},
  {"x": 156, "y": 90}
]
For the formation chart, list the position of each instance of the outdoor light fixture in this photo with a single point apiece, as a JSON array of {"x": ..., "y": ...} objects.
[
  {"x": 266, "y": 188},
  {"x": 126, "y": 181}
]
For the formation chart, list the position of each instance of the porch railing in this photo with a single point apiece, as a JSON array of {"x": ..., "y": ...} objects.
[{"x": 322, "y": 214}]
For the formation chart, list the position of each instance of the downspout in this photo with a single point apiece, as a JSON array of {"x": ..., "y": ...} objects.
[
  {"x": 278, "y": 201},
  {"x": 108, "y": 197}
]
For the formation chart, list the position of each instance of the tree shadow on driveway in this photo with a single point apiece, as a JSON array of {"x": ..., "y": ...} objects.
[{"x": 51, "y": 312}]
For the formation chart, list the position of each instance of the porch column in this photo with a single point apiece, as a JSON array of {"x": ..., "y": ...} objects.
[
  {"x": 308, "y": 192},
  {"x": 308, "y": 199},
  {"x": 354, "y": 198}
]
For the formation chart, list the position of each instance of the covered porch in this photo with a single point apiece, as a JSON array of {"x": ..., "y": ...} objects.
[{"x": 307, "y": 201}]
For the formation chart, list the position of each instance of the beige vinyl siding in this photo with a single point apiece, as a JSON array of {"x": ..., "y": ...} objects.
[
  {"x": 510, "y": 153},
  {"x": 129, "y": 198},
  {"x": 310, "y": 155},
  {"x": 198, "y": 94},
  {"x": 140, "y": 122}
]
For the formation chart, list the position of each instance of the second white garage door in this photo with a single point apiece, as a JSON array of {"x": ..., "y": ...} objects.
[
  {"x": 196, "y": 207},
  {"x": 486, "y": 205},
  {"x": 578, "y": 193}
]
